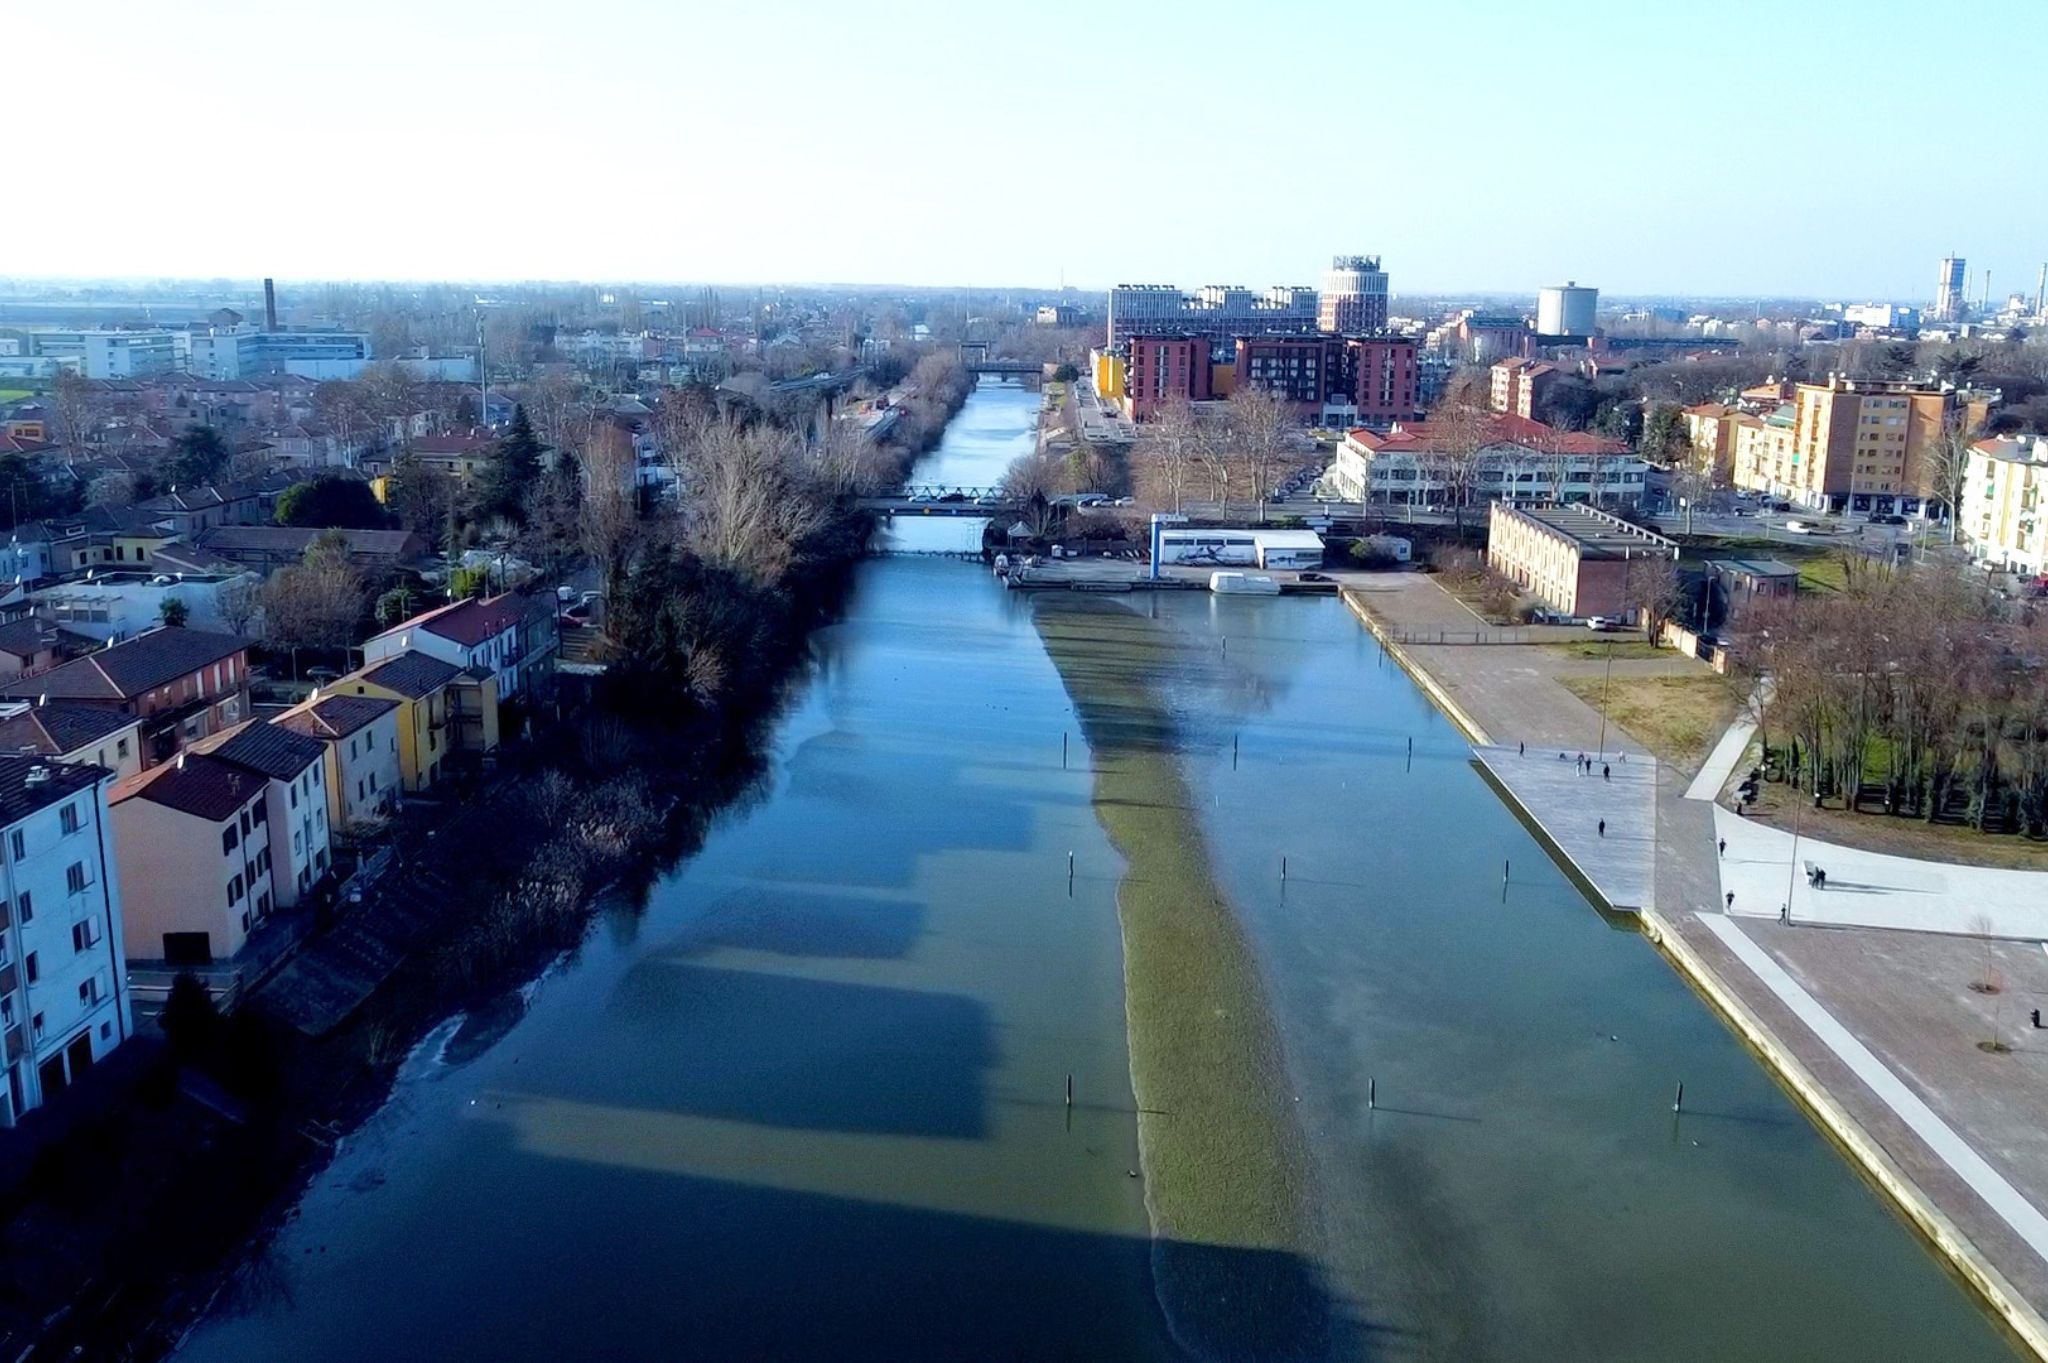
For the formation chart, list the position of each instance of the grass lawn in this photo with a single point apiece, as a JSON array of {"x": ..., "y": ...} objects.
[
  {"x": 1819, "y": 564},
  {"x": 14, "y": 394},
  {"x": 1880, "y": 832},
  {"x": 1225, "y": 1163},
  {"x": 1677, "y": 718},
  {"x": 1597, "y": 648}
]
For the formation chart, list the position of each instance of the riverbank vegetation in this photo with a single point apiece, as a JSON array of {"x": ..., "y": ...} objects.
[
  {"x": 153, "y": 1187},
  {"x": 1911, "y": 694},
  {"x": 1224, "y": 1161}
]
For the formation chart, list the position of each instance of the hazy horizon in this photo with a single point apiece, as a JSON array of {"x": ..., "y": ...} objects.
[{"x": 635, "y": 141}]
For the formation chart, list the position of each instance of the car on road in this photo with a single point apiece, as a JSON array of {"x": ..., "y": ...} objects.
[
  {"x": 1315, "y": 577},
  {"x": 1887, "y": 518},
  {"x": 1601, "y": 624},
  {"x": 1801, "y": 528}
]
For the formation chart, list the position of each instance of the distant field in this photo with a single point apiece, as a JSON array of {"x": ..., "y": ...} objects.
[{"x": 14, "y": 394}]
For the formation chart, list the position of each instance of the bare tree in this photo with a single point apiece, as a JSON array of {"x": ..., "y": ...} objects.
[
  {"x": 1460, "y": 433},
  {"x": 745, "y": 508},
  {"x": 1652, "y": 587},
  {"x": 1258, "y": 421},
  {"x": 1947, "y": 469},
  {"x": 610, "y": 515},
  {"x": 238, "y": 601},
  {"x": 1167, "y": 458},
  {"x": 316, "y": 602}
]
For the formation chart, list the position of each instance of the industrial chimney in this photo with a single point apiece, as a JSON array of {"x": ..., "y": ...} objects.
[{"x": 269, "y": 305}]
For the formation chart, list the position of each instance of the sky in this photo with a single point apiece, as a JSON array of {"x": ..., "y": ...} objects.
[{"x": 1796, "y": 147}]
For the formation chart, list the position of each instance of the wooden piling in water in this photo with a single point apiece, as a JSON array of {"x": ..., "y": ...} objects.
[{"x": 1678, "y": 1098}]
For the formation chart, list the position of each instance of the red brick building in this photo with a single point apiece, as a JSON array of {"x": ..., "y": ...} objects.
[
  {"x": 1162, "y": 368},
  {"x": 1383, "y": 380},
  {"x": 183, "y": 684}
]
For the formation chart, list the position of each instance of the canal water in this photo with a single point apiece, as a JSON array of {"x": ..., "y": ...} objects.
[{"x": 810, "y": 1098}]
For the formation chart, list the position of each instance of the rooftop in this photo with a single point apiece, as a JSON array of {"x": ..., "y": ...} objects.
[
  {"x": 126, "y": 670},
  {"x": 192, "y": 783},
  {"x": 467, "y": 622},
  {"x": 271, "y": 749},
  {"x": 28, "y": 784},
  {"x": 58, "y": 728},
  {"x": 412, "y": 674},
  {"x": 331, "y": 717},
  {"x": 1597, "y": 534}
]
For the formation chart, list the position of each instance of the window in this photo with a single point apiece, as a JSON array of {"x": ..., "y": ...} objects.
[
  {"x": 292, "y": 790},
  {"x": 67, "y": 817},
  {"x": 89, "y": 992},
  {"x": 259, "y": 811},
  {"x": 235, "y": 890},
  {"x": 75, "y": 878},
  {"x": 35, "y": 1024},
  {"x": 31, "y": 968},
  {"x": 7, "y": 1010},
  {"x": 121, "y": 748},
  {"x": 245, "y": 823},
  {"x": 18, "y": 844},
  {"x": 85, "y": 935},
  {"x": 26, "y": 908},
  {"x": 229, "y": 839}
]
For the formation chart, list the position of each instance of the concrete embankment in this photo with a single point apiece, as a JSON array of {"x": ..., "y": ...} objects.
[{"x": 1735, "y": 999}]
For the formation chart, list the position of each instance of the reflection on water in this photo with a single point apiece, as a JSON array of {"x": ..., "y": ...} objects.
[
  {"x": 810, "y": 1103},
  {"x": 998, "y": 424}
]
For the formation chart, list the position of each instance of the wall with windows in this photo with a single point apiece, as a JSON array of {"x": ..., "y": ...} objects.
[
  {"x": 199, "y": 887},
  {"x": 63, "y": 989}
]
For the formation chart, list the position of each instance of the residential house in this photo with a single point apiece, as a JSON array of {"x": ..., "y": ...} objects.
[
  {"x": 363, "y": 774},
  {"x": 435, "y": 699},
  {"x": 182, "y": 684},
  {"x": 267, "y": 548},
  {"x": 295, "y": 766},
  {"x": 29, "y": 646},
  {"x": 496, "y": 636},
  {"x": 63, "y": 992},
  {"x": 193, "y": 838},
  {"x": 67, "y": 732},
  {"x": 117, "y": 605}
]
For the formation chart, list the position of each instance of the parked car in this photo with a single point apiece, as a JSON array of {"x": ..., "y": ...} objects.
[
  {"x": 1887, "y": 518},
  {"x": 1799, "y": 528},
  {"x": 1316, "y": 577},
  {"x": 1603, "y": 624}
]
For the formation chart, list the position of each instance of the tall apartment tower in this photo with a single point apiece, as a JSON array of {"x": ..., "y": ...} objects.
[
  {"x": 1354, "y": 297},
  {"x": 1949, "y": 289}
]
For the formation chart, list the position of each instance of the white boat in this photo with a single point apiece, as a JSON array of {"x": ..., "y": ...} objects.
[{"x": 1243, "y": 584}]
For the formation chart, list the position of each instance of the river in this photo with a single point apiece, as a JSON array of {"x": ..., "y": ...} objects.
[{"x": 809, "y": 1098}]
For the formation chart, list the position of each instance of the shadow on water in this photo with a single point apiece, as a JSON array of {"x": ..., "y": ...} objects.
[
  {"x": 779, "y": 1050},
  {"x": 796, "y": 922}
]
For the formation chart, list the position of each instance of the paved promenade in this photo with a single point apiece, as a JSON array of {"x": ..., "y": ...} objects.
[
  {"x": 1603, "y": 820},
  {"x": 1877, "y": 1029}
]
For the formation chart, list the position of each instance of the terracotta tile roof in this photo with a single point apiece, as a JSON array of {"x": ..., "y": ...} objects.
[
  {"x": 1499, "y": 428},
  {"x": 468, "y": 622},
  {"x": 192, "y": 783}
]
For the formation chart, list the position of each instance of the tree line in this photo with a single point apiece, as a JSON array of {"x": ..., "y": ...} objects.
[{"x": 1913, "y": 693}]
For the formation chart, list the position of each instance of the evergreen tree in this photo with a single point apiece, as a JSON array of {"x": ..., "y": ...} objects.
[
  {"x": 513, "y": 468},
  {"x": 196, "y": 456}
]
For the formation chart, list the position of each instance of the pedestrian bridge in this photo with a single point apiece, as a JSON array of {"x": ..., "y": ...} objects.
[{"x": 939, "y": 500}]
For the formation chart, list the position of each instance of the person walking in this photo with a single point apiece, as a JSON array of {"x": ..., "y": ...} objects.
[
  {"x": 1603, "y": 828},
  {"x": 1731, "y": 901},
  {"x": 1606, "y": 772},
  {"x": 1724, "y": 847}
]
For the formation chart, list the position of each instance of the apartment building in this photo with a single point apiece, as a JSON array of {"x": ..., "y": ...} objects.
[
  {"x": 1575, "y": 559},
  {"x": 1763, "y": 456},
  {"x": 509, "y": 637},
  {"x": 239, "y": 352},
  {"x": 63, "y": 990},
  {"x": 181, "y": 684},
  {"x": 1860, "y": 445},
  {"x": 2004, "y": 513},
  {"x": 1160, "y": 370},
  {"x": 294, "y": 770},
  {"x": 194, "y": 848},
  {"x": 65, "y": 732},
  {"x": 363, "y": 773},
  {"x": 1353, "y": 301},
  {"x": 1217, "y": 312},
  {"x": 109, "y": 354},
  {"x": 1518, "y": 385}
]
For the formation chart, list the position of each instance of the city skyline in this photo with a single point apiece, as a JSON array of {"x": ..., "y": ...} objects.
[{"x": 626, "y": 141}]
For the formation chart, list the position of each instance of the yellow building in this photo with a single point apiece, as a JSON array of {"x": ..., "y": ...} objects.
[
  {"x": 2005, "y": 502},
  {"x": 1222, "y": 379},
  {"x": 1108, "y": 374},
  {"x": 1762, "y": 455},
  {"x": 1711, "y": 427},
  {"x": 432, "y": 696}
]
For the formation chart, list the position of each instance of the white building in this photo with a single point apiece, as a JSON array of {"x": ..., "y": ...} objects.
[
  {"x": 242, "y": 352},
  {"x": 477, "y": 635},
  {"x": 63, "y": 990},
  {"x": 1425, "y": 464},
  {"x": 1241, "y": 548},
  {"x": 362, "y": 772},
  {"x": 1566, "y": 310},
  {"x": 109, "y": 354},
  {"x": 110, "y": 606},
  {"x": 294, "y": 767}
]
